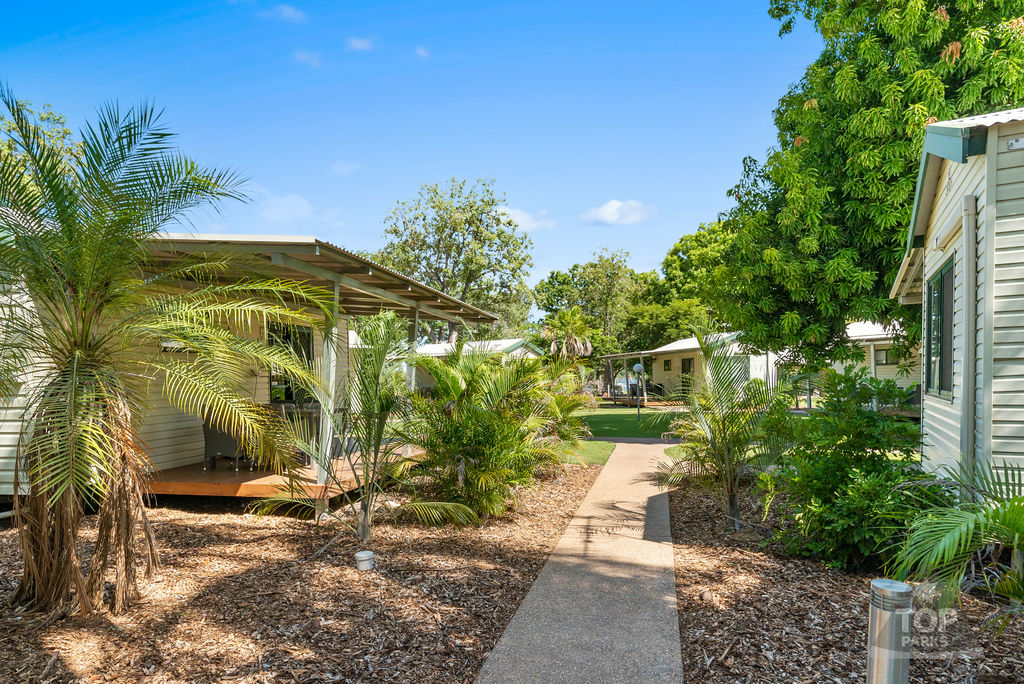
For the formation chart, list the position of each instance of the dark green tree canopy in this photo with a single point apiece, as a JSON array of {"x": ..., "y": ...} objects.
[
  {"x": 458, "y": 239},
  {"x": 819, "y": 227}
]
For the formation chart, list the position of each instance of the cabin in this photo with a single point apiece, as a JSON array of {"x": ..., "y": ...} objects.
[
  {"x": 875, "y": 343},
  {"x": 963, "y": 264},
  {"x": 514, "y": 347},
  {"x": 674, "y": 366},
  {"x": 179, "y": 444}
]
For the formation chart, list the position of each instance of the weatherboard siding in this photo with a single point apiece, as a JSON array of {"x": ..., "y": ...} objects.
[
  {"x": 1007, "y": 282},
  {"x": 941, "y": 415}
]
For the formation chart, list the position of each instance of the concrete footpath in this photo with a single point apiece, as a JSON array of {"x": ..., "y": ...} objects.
[{"x": 603, "y": 608}]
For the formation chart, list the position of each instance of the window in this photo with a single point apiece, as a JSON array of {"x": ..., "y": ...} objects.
[
  {"x": 686, "y": 366},
  {"x": 939, "y": 332},
  {"x": 668, "y": 365},
  {"x": 885, "y": 357},
  {"x": 301, "y": 342}
]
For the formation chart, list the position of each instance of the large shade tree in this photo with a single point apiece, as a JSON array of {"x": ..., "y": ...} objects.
[
  {"x": 460, "y": 239},
  {"x": 820, "y": 225},
  {"x": 84, "y": 316}
]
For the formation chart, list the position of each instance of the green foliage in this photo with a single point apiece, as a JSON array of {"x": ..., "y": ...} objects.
[
  {"x": 722, "y": 425},
  {"x": 489, "y": 424},
  {"x": 86, "y": 313},
  {"x": 820, "y": 227},
  {"x": 458, "y": 239},
  {"x": 569, "y": 333},
  {"x": 971, "y": 540},
  {"x": 843, "y": 481},
  {"x": 600, "y": 288},
  {"x": 648, "y": 326},
  {"x": 690, "y": 262}
]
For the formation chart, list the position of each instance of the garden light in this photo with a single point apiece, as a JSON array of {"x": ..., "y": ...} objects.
[{"x": 889, "y": 620}]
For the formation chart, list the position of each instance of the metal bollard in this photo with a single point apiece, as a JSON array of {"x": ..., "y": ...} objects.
[{"x": 889, "y": 621}]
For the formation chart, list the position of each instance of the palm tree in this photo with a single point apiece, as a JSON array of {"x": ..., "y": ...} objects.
[
  {"x": 84, "y": 316},
  {"x": 569, "y": 333},
  {"x": 720, "y": 426},
  {"x": 481, "y": 432},
  {"x": 979, "y": 542},
  {"x": 374, "y": 404}
]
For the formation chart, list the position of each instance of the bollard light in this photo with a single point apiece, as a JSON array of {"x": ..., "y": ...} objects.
[{"x": 889, "y": 621}]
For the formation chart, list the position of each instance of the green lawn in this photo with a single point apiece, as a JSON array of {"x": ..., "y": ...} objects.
[
  {"x": 622, "y": 422},
  {"x": 594, "y": 452}
]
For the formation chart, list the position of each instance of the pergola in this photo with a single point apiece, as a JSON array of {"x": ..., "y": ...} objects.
[
  {"x": 361, "y": 287},
  {"x": 609, "y": 374}
]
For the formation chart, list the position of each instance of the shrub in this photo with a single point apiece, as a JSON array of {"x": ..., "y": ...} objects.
[
  {"x": 487, "y": 427},
  {"x": 844, "y": 484}
]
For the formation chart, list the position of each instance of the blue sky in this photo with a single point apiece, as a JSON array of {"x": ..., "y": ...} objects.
[{"x": 615, "y": 125}]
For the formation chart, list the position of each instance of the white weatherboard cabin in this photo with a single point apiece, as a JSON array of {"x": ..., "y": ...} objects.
[
  {"x": 964, "y": 264},
  {"x": 514, "y": 347},
  {"x": 681, "y": 360},
  {"x": 677, "y": 363},
  {"x": 178, "y": 443},
  {"x": 876, "y": 342}
]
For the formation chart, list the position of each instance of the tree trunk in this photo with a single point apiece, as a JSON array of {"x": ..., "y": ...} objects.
[
  {"x": 363, "y": 528},
  {"x": 734, "y": 512}
]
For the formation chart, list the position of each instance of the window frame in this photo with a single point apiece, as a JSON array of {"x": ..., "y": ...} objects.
[
  {"x": 666, "y": 366},
  {"x": 940, "y": 361},
  {"x": 888, "y": 359},
  {"x": 302, "y": 341}
]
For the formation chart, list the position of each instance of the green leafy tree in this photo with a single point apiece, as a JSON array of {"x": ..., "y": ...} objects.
[
  {"x": 691, "y": 261},
  {"x": 602, "y": 288},
  {"x": 458, "y": 239},
  {"x": 648, "y": 326},
  {"x": 84, "y": 315},
  {"x": 820, "y": 226}
]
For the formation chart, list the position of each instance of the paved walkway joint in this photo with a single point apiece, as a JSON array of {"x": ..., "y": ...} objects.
[{"x": 603, "y": 608}]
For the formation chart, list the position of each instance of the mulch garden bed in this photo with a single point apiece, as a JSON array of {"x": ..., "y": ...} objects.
[
  {"x": 750, "y": 614},
  {"x": 239, "y": 600}
]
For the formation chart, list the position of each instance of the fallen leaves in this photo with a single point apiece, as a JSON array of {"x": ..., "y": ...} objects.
[
  {"x": 238, "y": 600},
  {"x": 747, "y": 614}
]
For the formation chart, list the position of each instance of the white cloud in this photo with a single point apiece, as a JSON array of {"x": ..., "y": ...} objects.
[
  {"x": 341, "y": 167},
  {"x": 529, "y": 222},
  {"x": 359, "y": 44},
  {"x": 288, "y": 13},
  {"x": 310, "y": 58},
  {"x": 331, "y": 217},
  {"x": 616, "y": 213},
  {"x": 422, "y": 52},
  {"x": 284, "y": 208}
]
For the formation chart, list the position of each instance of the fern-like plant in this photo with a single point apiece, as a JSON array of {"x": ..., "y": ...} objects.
[{"x": 721, "y": 421}]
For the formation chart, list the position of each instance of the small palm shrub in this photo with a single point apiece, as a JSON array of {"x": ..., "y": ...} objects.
[
  {"x": 728, "y": 425},
  {"x": 975, "y": 539},
  {"x": 489, "y": 424},
  {"x": 844, "y": 483}
]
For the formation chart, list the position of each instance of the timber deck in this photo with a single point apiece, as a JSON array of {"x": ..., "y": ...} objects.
[{"x": 225, "y": 481}]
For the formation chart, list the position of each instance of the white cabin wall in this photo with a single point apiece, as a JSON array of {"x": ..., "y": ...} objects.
[
  {"x": 670, "y": 380},
  {"x": 1007, "y": 299},
  {"x": 942, "y": 416}
]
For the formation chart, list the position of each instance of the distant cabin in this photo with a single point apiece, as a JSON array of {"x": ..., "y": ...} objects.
[
  {"x": 876, "y": 343},
  {"x": 514, "y": 347},
  {"x": 682, "y": 361},
  {"x": 964, "y": 265}
]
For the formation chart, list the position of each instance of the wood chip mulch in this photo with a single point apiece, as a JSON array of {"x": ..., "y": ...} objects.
[
  {"x": 750, "y": 614},
  {"x": 238, "y": 600}
]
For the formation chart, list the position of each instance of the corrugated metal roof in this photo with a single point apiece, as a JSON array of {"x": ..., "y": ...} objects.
[
  {"x": 476, "y": 346},
  {"x": 383, "y": 287},
  {"x": 688, "y": 344},
  {"x": 866, "y": 330},
  {"x": 984, "y": 120}
]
